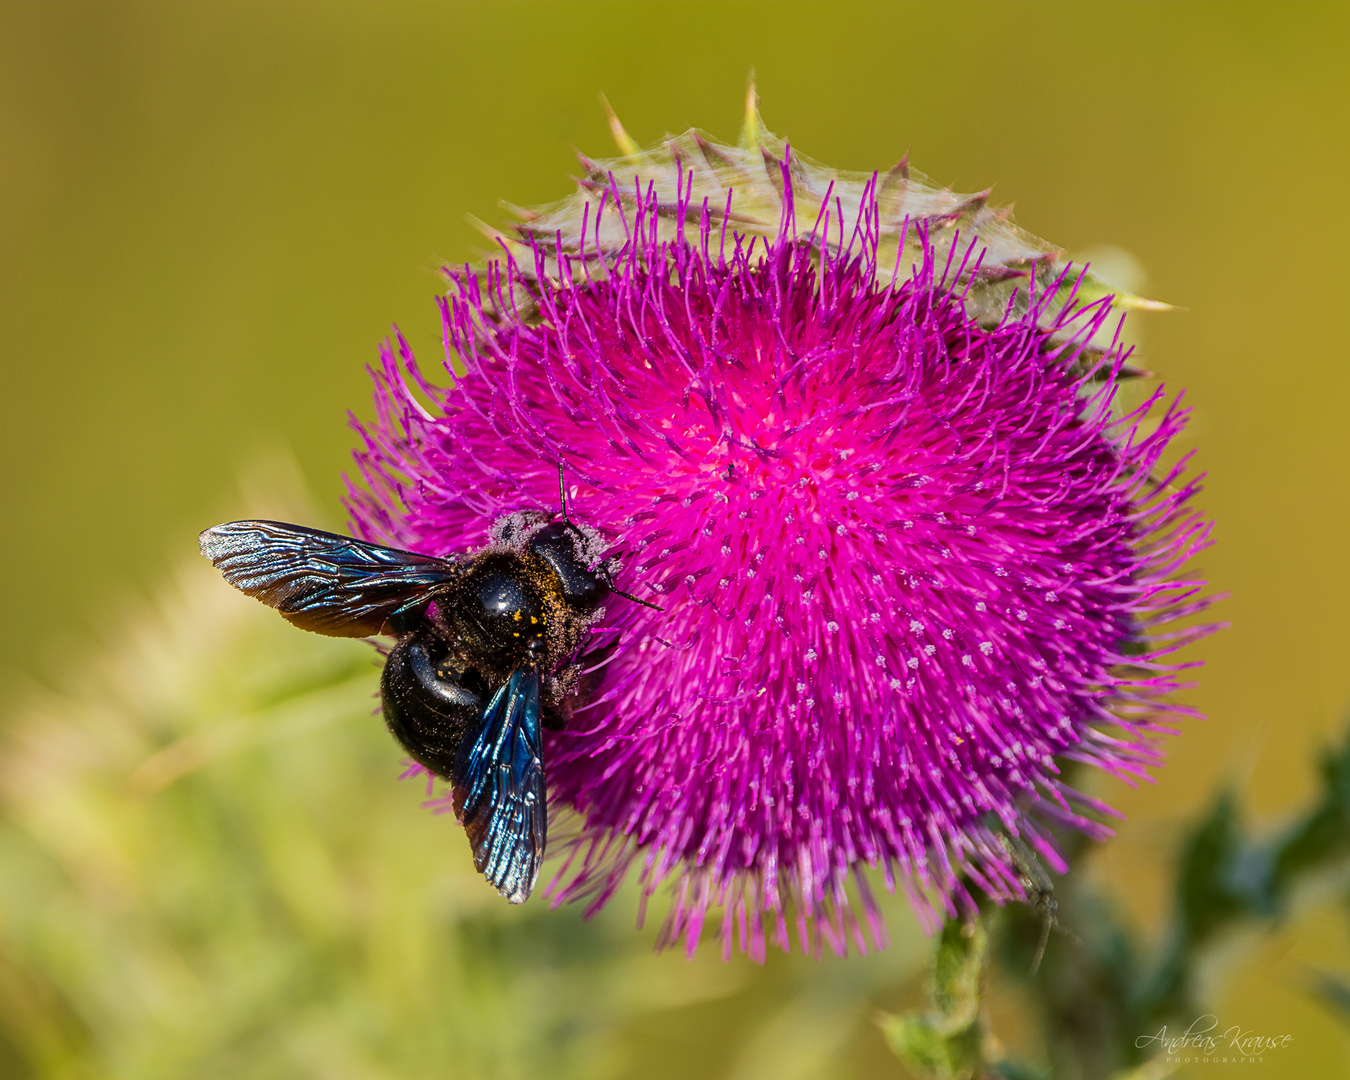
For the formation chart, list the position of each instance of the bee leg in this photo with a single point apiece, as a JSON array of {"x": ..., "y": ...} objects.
[
  {"x": 552, "y": 718},
  {"x": 557, "y": 698},
  {"x": 428, "y": 703}
]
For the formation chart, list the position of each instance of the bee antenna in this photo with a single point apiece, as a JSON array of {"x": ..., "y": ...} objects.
[
  {"x": 636, "y": 600},
  {"x": 562, "y": 493}
]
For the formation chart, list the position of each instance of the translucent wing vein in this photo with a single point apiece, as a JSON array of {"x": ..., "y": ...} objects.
[{"x": 322, "y": 581}]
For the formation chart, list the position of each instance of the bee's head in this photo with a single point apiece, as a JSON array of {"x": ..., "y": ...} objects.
[{"x": 565, "y": 549}]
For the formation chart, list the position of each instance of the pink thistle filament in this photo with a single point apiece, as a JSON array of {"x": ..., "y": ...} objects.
[{"x": 905, "y": 560}]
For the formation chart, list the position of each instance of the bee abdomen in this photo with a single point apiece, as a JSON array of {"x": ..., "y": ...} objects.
[{"x": 427, "y": 704}]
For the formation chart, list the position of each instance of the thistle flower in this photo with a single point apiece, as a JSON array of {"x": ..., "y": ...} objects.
[{"x": 909, "y": 550}]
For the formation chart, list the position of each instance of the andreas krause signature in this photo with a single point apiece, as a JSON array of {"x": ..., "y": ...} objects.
[{"x": 1204, "y": 1037}]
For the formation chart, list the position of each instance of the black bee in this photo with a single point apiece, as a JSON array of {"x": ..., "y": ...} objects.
[{"x": 486, "y": 643}]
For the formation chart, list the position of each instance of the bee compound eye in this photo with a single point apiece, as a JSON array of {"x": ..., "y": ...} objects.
[{"x": 562, "y": 547}]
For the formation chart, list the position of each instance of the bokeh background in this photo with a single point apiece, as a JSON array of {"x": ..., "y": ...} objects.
[{"x": 211, "y": 213}]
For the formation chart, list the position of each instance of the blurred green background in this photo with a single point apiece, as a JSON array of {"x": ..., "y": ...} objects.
[{"x": 211, "y": 213}]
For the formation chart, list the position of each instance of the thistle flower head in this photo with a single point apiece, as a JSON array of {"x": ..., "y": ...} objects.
[{"x": 908, "y": 552}]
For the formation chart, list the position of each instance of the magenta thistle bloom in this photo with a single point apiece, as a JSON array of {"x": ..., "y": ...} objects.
[{"x": 906, "y": 558}]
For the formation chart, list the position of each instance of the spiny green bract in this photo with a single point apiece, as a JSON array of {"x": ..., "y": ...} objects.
[{"x": 744, "y": 188}]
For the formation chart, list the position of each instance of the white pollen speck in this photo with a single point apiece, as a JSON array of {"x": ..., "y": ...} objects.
[
  {"x": 664, "y": 553},
  {"x": 912, "y": 663},
  {"x": 838, "y": 699},
  {"x": 724, "y": 583},
  {"x": 970, "y": 530},
  {"x": 832, "y": 627},
  {"x": 687, "y": 501},
  {"x": 942, "y": 517},
  {"x": 874, "y": 617},
  {"x": 1021, "y": 615},
  {"x": 841, "y": 530},
  {"x": 876, "y": 579},
  {"x": 1000, "y": 572},
  {"x": 896, "y": 684},
  {"x": 915, "y": 627},
  {"x": 720, "y": 496},
  {"x": 851, "y": 496},
  {"x": 726, "y": 549},
  {"x": 808, "y": 596},
  {"x": 1060, "y": 624},
  {"x": 750, "y": 572},
  {"x": 801, "y": 686},
  {"x": 1051, "y": 596},
  {"x": 986, "y": 647},
  {"x": 947, "y": 634},
  {"x": 881, "y": 661},
  {"x": 980, "y": 606},
  {"x": 966, "y": 659},
  {"x": 930, "y": 648},
  {"x": 822, "y": 553},
  {"x": 743, "y": 515},
  {"x": 800, "y": 541},
  {"x": 907, "y": 524},
  {"x": 812, "y": 655},
  {"x": 810, "y": 703}
]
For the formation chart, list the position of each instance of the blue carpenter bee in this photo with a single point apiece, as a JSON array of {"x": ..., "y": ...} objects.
[{"x": 485, "y": 652}]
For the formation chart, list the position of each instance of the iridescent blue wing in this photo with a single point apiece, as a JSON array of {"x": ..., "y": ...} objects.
[
  {"x": 321, "y": 581},
  {"x": 498, "y": 788}
]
